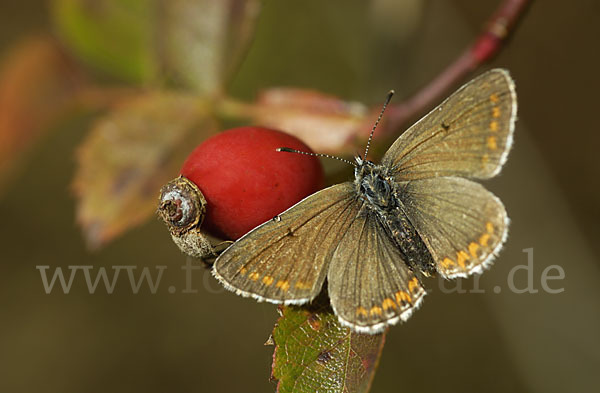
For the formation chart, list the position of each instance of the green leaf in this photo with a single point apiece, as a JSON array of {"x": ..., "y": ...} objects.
[
  {"x": 314, "y": 353},
  {"x": 196, "y": 43},
  {"x": 129, "y": 154},
  {"x": 113, "y": 36},
  {"x": 202, "y": 41}
]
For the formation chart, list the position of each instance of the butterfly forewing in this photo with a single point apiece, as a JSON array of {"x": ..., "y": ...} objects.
[
  {"x": 370, "y": 286},
  {"x": 285, "y": 260},
  {"x": 468, "y": 135},
  {"x": 462, "y": 224}
]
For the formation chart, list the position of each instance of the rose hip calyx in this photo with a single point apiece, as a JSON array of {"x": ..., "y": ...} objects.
[{"x": 181, "y": 205}]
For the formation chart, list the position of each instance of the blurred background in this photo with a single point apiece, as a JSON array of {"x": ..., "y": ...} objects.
[{"x": 489, "y": 339}]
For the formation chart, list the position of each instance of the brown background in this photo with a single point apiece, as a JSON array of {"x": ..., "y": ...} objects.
[{"x": 212, "y": 340}]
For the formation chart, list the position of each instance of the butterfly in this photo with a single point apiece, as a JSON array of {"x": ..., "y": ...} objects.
[{"x": 415, "y": 214}]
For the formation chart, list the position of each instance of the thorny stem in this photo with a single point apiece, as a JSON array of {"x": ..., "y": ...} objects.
[{"x": 487, "y": 45}]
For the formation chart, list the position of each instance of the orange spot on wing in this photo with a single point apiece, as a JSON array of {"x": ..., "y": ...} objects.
[
  {"x": 388, "y": 303},
  {"x": 485, "y": 159},
  {"x": 402, "y": 296},
  {"x": 491, "y": 143},
  {"x": 253, "y": 276},
  {"x": 284, "y": 285},
  {"x": 302, "y": 285},
  {"x": 447, "y": 262},
  {"x": 489, "y": 227},
  {"x": 413, "y": 284},
  {"x": 496, "y": 112},
  {"x": 243, "y": 270},
  {"x": 461, "y": 257},
  {"x": 361, "y": 311},
  {"x": 267, "y": 280},
  {"x": 494, "y": 97},
  {"x": 494, "y": 126},
  {"x": 483, "y": 240},
  {"x": 473, "y": 247},
  {"x": 375, "y": 310}
]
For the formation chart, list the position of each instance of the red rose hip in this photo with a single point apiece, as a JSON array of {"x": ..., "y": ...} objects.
[{"x": 246, "y": 181}]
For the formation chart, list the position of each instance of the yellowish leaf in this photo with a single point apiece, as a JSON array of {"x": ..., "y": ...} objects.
[
  {"x": 129, "y": 154},
  {"x": 326, "y": 123}
]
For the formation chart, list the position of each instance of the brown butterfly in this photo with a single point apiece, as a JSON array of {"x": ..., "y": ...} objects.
[{"x": 414, "y": 214}]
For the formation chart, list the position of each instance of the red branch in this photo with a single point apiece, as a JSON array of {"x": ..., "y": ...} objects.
[{"x": 486, "y": 46}]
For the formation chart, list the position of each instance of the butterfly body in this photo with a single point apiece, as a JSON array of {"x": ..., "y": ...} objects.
[
  {"x": 416, "y": 213},
  {"x": 382, "y": 195}
]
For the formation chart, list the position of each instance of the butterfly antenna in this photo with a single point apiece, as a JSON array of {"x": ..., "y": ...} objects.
[
  {"x": 385, "y": 104},
  {"x": 289, "y": 150}
]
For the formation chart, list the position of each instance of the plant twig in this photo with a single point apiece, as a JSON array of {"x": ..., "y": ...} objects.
[
  {"x": 487, "y": 45},
  {"x": 95, "y": 97}
]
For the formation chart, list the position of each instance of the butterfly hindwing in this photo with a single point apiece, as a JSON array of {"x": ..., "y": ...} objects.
[
  {"x": 462, "y": 224},
  {"x": 285, "y": 260},
  {"x": 467, "y": 135},
  {"x": 369, "y": 284}
]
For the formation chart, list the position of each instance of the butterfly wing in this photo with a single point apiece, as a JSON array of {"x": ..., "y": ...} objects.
[
  {"x": 462, "y": 224},
  {"x": 369, "y": 284},
  {"x": 467, "y": 135},
  {"x": 285, "y": 260}
]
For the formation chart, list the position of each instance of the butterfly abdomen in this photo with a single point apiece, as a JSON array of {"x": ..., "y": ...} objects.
[{"x": 408, "y": 240}]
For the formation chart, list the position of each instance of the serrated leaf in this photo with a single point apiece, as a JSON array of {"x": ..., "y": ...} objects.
[
  {"x": 314, "y": 353},
  {"x": 37, "y": 85},
  {"x": 201, "y": 41},
  {"x": 113, "y": 36},
  {"x": 326, "y": 123},
  {"x": 129, "y": 154}
]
